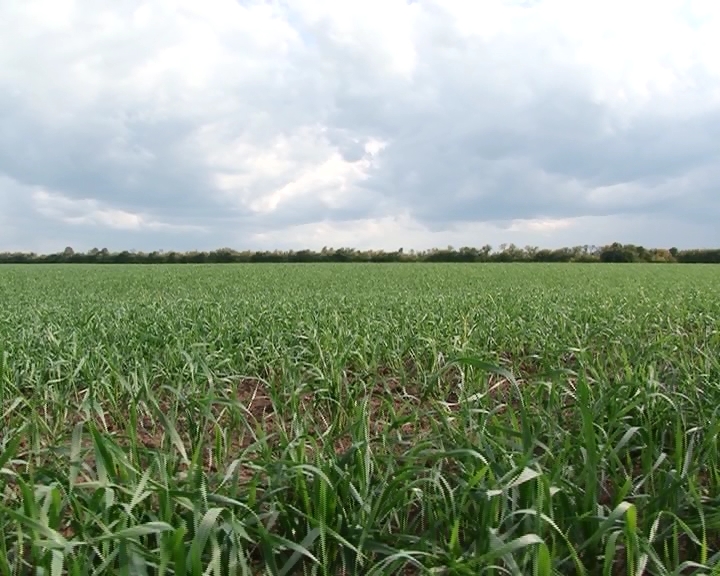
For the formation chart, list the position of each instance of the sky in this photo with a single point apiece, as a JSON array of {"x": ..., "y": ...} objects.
[{"x": 373, "y": 124}]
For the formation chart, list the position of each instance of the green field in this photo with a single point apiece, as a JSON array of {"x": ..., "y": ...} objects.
[{"x": 360, "y": 419}]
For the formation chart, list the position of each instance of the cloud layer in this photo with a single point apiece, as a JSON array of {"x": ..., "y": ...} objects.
[{"x": 383, "y": 123}]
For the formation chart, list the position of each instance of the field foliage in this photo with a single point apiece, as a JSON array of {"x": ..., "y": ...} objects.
[{"x": 360, "y": 419}]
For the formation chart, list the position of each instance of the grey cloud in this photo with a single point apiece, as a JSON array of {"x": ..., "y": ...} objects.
[
  {"x": 542, "y": 162},
  {"x": 87, "y": 161},
  {"x": 480, "y": 131},
  {"x": 650, "y": 148},
  {"x": 460, "y": 150}
]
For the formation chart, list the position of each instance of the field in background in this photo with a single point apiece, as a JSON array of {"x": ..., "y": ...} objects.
[{"x": 360, "y": 419}]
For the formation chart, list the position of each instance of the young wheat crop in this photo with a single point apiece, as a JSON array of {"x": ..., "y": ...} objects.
[{"x": 359, "y": 419}]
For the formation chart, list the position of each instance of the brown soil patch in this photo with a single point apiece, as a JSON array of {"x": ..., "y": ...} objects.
[{"x": 399, "y": 407}]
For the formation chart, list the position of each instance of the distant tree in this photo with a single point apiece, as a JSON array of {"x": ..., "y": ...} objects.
[{"x": 615, "y": 252}]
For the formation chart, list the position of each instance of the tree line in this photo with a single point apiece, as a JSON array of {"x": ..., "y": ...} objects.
[{"x": 615, "y": 252}]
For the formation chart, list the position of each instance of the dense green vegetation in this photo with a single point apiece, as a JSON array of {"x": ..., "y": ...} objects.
[
  {"x": 341, "y": 419},
  {"x": 615, "y": 252}
]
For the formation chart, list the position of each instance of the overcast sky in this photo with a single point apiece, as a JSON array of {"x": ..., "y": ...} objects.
[{"x": 186, "y": 124}]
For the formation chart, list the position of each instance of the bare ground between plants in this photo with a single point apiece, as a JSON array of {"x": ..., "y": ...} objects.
[{"x": 397, "y": 406}]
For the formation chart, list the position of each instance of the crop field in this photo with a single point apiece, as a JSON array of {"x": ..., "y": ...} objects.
[{"x": 352, "y": 420}]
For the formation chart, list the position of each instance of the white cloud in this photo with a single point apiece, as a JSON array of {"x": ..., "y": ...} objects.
[
  {"x": 292, "y": 166},
  {"x": 536, "y": 225},
  {"x": 90, "y": 212}
]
